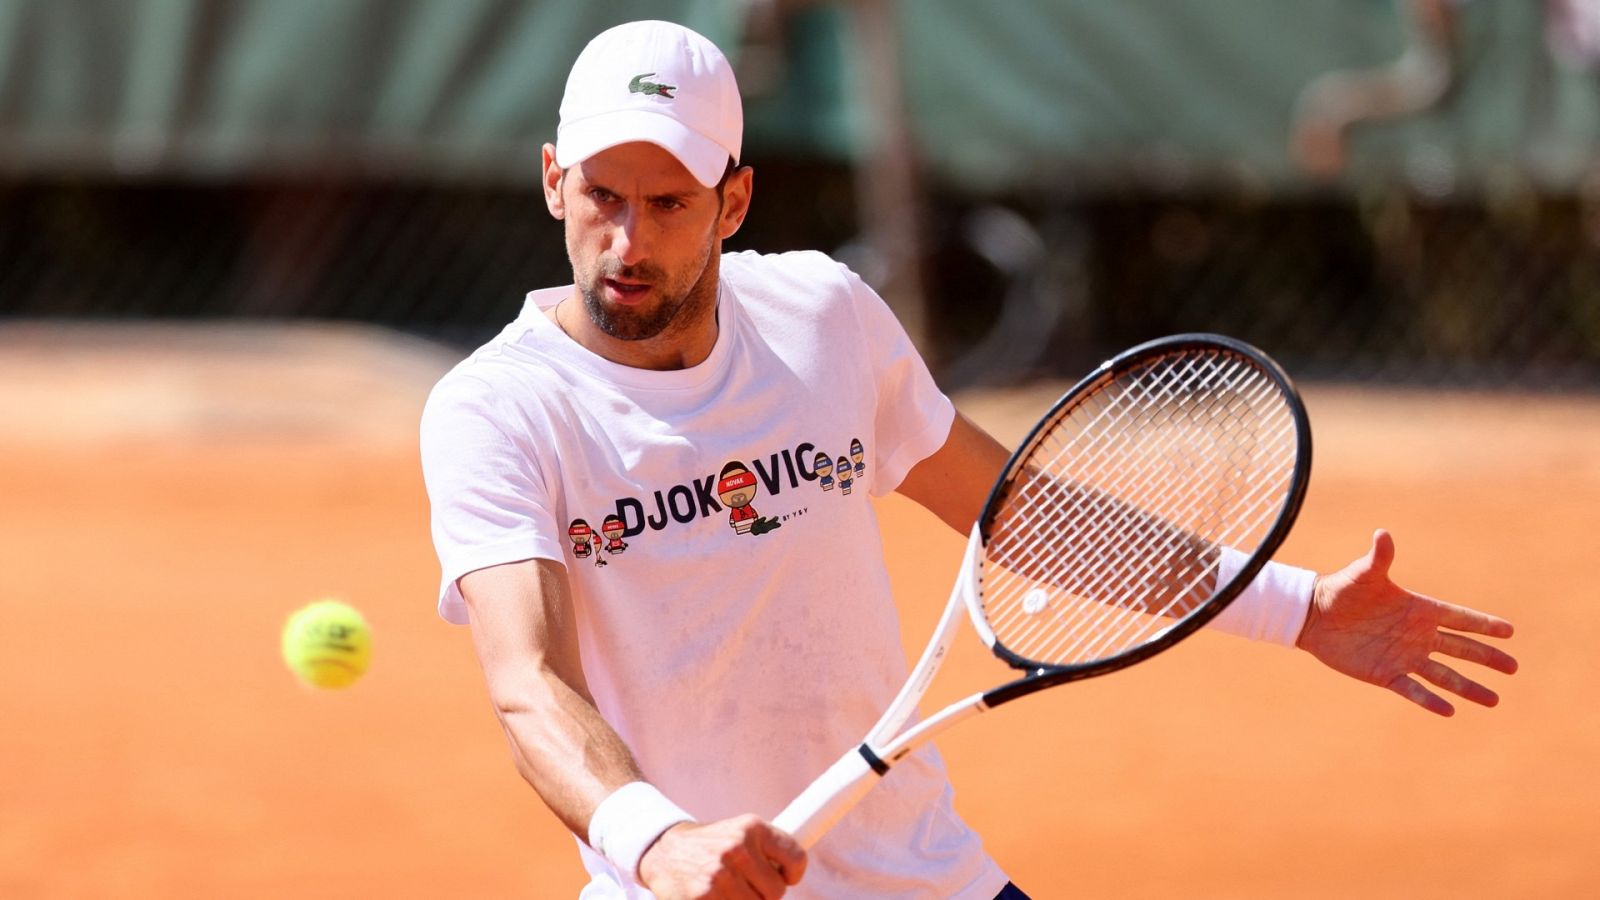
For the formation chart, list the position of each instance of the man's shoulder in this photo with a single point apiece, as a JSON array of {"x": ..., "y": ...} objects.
[
  {"x": 811, "y": 267},
  {"x": 489, "y": 375},
  {"x": 806, "y": 283},
  {"x": 459, "y": 395}
]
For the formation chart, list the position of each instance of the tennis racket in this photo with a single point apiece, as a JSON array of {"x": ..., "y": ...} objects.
[{"x": 1143, "y": 502}]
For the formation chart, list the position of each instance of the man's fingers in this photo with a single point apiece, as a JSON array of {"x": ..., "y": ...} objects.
[
  {"x": 786, "y": 855},
  {"x": 766, "y": 863},
  {"x": 762, "y": 879},
  {"x": 1454, "y": 682},
  {"x": 1409, "y": 688},
  {"x": 1476, "y": 652},
  {"x": 1462, "y": 619}
]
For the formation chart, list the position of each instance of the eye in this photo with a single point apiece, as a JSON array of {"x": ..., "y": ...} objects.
[
  {"x": 668, "y": 203},
  {"x": 601, "y": 195}
]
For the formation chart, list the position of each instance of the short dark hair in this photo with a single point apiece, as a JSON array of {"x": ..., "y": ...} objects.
[{"x": 732, "y": 167}]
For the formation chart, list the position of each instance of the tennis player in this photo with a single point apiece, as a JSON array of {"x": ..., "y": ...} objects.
[{"x": 665, "y": 704}]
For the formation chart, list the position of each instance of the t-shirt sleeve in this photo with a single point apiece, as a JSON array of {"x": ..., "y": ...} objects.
[
  {"x": 489, "y": 500},
  {"x": 913, "y": 415}
]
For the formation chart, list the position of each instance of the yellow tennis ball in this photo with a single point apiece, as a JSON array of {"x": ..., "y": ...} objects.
[{"x": 327, "y": 644}]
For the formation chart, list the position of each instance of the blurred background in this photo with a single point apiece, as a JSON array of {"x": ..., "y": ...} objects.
[
  {"x": 241, "y": 239},
  {"x": 1392, "y": 189}
]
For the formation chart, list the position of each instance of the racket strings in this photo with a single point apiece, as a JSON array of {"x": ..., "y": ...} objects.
[
  {"x": 1137, "y": 485},
  {"x": 1036, "y": 512},
  {"x": 1159, "y": 556},
  {"x": 1103, "y": 433},
  {"x": 1187, "y": 504},
  {"x": 1153, "y": 398},
  {"x": 1172, "y": 564},
  {"x": 1168, "y": 554}
]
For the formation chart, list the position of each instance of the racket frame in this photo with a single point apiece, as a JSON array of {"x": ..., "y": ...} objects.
[
  {"x": 1042, "y": 675},
  {"x": 838, "y": 789}
]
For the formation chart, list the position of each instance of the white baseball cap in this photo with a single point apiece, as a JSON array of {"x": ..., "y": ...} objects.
[{"x": 657, "y": 82}]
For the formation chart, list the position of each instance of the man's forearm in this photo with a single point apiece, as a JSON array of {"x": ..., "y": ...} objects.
[
  {"x": 582, "y": 769},
  {"x": 562, "y": 746},
  {"x": 523, "y": 628}
]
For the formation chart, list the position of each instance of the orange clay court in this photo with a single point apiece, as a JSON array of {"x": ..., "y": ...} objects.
[{"x": 168, "y": 495}]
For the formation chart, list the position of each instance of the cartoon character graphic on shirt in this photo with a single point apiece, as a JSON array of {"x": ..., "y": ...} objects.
[
  {"x": 736, "y": 488},
  {"x": 613, "y": 528},
  {"x": 583, "y": 541},
  {"x": 823, "y": 466},
  {"x": 856, "y": 455},
  {"x": 847, "y": 475}
]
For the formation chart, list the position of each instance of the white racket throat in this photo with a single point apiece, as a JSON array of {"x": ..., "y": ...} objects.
[
  {"x": 963, "y": 594},
  {"x": 833, "y": 793}
]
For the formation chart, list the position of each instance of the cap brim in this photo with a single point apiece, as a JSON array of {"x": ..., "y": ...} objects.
[{"x": 705, "y": 159}]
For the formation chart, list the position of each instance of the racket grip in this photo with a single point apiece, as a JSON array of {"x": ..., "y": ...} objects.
[{"x": 809, "y": 816}]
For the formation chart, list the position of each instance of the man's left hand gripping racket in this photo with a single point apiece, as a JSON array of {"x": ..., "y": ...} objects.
[{"x": 1146, "y": 499}]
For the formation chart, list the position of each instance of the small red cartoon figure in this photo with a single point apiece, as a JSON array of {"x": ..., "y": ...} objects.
[
  {"x": 580, "y": 534},
  {"x": 736, "y": 487},
  {"x": 612, "y": 528},
  {"x": 583, "y": 541}
]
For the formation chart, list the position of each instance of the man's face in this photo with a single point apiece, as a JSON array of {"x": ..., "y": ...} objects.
[{"x": 642, "y": 235}]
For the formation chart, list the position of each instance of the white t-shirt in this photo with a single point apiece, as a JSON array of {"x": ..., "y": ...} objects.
[{"x": 733, "y": 609}]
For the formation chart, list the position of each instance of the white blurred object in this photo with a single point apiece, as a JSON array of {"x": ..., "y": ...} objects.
[{"x": 1572, "y": 29}]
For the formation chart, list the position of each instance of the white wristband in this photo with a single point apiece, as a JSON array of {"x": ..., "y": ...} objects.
[
  {"x": 1271, "y": 608},
  {"x": 626, "y": 823}
]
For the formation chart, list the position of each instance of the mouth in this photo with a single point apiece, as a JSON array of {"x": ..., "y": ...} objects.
[{"x": 625, "y": 291}]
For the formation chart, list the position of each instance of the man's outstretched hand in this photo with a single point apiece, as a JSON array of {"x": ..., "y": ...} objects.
[{"x": 1366, "y": 626}]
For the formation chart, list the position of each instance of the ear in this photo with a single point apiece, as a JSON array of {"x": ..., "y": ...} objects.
[
  {"x": 735, "y": 201},
  {"x": 552, "y": 176}
]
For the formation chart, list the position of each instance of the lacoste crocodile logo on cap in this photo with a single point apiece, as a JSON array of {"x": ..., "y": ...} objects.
[{"x": 639, "y": 86}]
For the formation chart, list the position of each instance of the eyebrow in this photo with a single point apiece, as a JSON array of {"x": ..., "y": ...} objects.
[{"x": 679, "y": 196}]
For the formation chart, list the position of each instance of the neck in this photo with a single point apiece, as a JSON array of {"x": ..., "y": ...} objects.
[{"x": 686, "y": 342}]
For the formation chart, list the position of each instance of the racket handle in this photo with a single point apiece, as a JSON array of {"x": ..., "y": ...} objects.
[{"x": 809, "y": 816}]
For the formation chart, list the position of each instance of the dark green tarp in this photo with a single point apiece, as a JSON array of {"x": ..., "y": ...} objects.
[
  {"x": 1021, "y": 92},
  {"x": 1003, "y": 94},
  {"x": 223, "y": 87}
]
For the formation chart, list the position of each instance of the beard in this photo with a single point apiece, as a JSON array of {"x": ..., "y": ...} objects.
[{"x": 676, "y": 301}]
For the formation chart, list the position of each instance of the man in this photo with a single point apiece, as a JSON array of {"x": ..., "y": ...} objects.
[{"x": 704, "y": 666}]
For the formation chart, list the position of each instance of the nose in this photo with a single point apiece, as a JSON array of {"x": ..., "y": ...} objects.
[{"x": 628, "y": 241}]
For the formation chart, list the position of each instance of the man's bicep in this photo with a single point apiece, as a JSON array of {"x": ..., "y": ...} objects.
[
  {"x": 522, "y": 621},
  {"x": 955, "y": 480}
]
